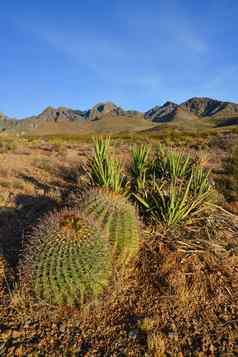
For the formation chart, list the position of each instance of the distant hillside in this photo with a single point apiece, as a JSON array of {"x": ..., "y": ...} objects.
[
  {"x": 58, "y": 115},
  {"x": 102, "y": 109},
  {"x": 103, "y": 117},
  {"x": 162, "y": 113},
  {"x": 6, "y": 123},
  {"x": 195, "y": 109},
  {"x": 174, "y": 115},
  {"x": 208, "y": 107},
  {"x": 195, "y": 113}
]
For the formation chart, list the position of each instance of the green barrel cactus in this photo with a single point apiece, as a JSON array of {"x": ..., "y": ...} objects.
[
  {"x": 118, "y": 217},
  {"x": 67, "y": 261}
]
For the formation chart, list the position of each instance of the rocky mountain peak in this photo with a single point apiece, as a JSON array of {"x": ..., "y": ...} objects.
[
  {"x": 59, "y": 114},
  {"x": 161, "y": 113},
  {"x": 204, "y": 106},
  {"x": 201, "y": 106},
  {"x": 102, "y": 109},
  {"x": 195, "y": 107}
]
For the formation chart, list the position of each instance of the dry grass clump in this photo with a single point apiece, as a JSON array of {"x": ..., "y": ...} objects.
[
  {"x": 2, "y": 267},
  {"x": 3, "y": 272},
  {"x": 8, "y": 145},
  {"x": 193, "y": 273},
  {"x": 227, "y": 180}
]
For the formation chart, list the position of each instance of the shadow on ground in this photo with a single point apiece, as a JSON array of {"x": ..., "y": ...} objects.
[
  {"x": 16, "y": 223},
  {"x": 36, "y": 183}
]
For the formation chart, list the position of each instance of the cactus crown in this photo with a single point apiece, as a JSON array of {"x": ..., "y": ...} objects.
[
  {"x": 74, "y": 227},
  {"x": 67, "y": 260},
  {"x": 115, "y": 214}
]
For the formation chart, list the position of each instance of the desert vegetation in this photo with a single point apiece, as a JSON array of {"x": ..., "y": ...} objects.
[
  {"x": 227, "y": 181},
  {"x": 129, "y": 250}
]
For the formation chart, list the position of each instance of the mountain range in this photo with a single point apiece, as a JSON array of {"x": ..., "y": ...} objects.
[{"x": 193, "y": 113}]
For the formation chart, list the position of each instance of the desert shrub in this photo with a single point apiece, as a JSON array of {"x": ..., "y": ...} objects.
[
  {"x": 171, "y": 164},
  {"x": 115, "y": 214},
  {"x": 175, "y": 202},
  {"x": 227, "y": 180},
  {"x": 5, "y": 184},
  {"x": 105, "y": 169},
  {"x": 75, "y": 175},
  {"x": 43, "y": 163},
  {"x": 67, "y": 261},
  {"x": 200, "y": 180},
  {"x": 18, "y": 185},
  {"x": 139, "y": 166},
  {"x": 193, "y": 274},
  {"x": 8, "y": 145},
  {"x": 176, "y": 190}
]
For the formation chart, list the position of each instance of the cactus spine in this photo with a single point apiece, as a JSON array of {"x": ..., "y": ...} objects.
[
  {"x": 67, "y": 261},
  {"x": 115, "y": 214}
]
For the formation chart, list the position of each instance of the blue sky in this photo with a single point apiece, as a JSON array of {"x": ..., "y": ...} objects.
[{"x": 136, "y": 53}]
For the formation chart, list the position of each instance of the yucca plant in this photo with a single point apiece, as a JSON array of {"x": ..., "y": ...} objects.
[
  {"x": 118, "y": 217},
  {"x": 175, "y": 202},
  {"x": 200, "y": 180},
  {"x": 172, "y": 164},
  {"x": 67, "y": 260},
  {"x": 105, "y": 169},
  {"x": 139, "y": 166}
]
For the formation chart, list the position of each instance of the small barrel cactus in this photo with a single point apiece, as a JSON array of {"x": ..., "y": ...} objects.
[
  {"x": 67, "y": 261},
  {"x": 114, "y": 213}
]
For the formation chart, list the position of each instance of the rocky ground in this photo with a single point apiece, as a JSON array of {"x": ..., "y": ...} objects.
[{"x": 149, "y": 310}]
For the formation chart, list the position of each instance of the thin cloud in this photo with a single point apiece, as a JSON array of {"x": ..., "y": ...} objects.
[
  {"x": 221, "y": 80},
  {"x": 183, "y": 33},
  {"x": 191, "y": 41},
  {"x": 106, "y": 58}
]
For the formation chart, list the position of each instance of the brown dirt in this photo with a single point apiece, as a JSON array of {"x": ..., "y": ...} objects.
[{"x": 179, "y": 298}]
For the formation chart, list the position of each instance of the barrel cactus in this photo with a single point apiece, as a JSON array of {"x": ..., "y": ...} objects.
[
  {"x": 118, "y": 217},
  {"x": 67, "y": 261}
]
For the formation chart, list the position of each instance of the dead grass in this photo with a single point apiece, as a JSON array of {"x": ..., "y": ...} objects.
[
  {"x": 194, "y": 275},
  {"x": 3, "y": 270},
  {"x": 178, "y": 298}
]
